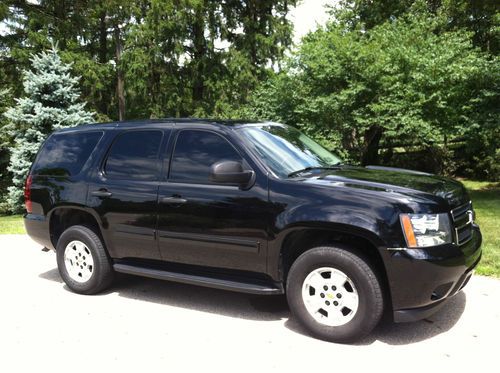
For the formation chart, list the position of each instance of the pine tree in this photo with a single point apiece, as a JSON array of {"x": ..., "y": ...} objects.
[{"x": 51, "y": 103}]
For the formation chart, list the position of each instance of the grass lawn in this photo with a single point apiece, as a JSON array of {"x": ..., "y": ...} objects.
[
  {"x": 486, "y": 201},
  {"x": 12, "y": 224},
  {"x": 485, "y": 197}
]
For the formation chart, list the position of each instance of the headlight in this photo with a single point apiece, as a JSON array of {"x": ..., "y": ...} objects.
[{"x": 422, "y": 230}]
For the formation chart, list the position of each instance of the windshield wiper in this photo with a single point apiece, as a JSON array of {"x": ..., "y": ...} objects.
[
  {"x": 310, "y": 168},
  {"x": 342, "y": 163}
]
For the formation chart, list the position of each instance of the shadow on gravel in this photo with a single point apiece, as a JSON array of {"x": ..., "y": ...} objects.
[
  {"x": 226, "y": 303},
  {"x": 52, "y": 275},
  {"x": 406, "y": 333},
  {"x": 268, "y": 308}
]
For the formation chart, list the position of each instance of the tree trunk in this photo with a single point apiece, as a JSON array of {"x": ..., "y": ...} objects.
[
  {"x": 103, "y": 38},
  {"x": 199, "y": 56},
  {"x": 59, "y": 18},
  {"x": 103, "y": 56},
  {"x": 120, "y": 83},
  {"x": 372, "y": 140},
  {"x": 251, "y": 29}
]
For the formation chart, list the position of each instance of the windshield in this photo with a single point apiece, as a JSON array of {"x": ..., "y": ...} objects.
[{"x": 286, "y": 150}]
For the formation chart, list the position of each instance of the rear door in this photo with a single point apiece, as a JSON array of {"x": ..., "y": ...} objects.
[
  {"x": 125, "y": 192},
  {"x": 209, "y": 224}
]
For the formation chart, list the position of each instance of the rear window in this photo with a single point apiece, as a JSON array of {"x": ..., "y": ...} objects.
[{"x": 65, "y": 154}]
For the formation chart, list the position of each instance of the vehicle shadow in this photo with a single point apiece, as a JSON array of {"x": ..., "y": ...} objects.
[
  {"x": 226, "y": 303},
  {"x": 440, "y": 322},
  {"x": 407, "y": 333},
  {"x": 268, "y": 308}
]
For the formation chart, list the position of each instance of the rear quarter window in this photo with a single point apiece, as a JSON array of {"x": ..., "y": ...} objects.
[
  {"x": 65, "y": 154},
  {"x": 134, "y": 155}
]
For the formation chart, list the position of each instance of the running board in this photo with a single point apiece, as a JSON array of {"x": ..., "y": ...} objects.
[{"x": 210, "y": 282}]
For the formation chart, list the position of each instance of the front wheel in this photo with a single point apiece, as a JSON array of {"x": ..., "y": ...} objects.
[{"x": 335, "y": 294}]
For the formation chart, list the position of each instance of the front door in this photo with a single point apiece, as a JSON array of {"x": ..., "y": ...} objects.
[
  {"x": 124, "y": 193},
  {"x": 204, "y": 223}
]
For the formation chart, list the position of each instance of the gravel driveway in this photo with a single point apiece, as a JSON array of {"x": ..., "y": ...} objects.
[{"x": 147, "y": 325}]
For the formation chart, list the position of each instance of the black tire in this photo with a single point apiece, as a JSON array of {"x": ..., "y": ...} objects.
[
  {"x": 364, "y": 278},
  {"x": 102, "y": 270}
]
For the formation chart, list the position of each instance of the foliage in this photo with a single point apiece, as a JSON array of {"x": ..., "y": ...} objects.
[
  {"x": 384, "y": 73},
  {"x": 162, "y": 57},
  {"x": 5, "y": 144},
  {"x": 149, "y": 58},
  {"x": 202, "y": 58},
  {"x": 481, "y": 18},
  {"x": 403, "y": 82},
  {"x": 50, "y": 104}
]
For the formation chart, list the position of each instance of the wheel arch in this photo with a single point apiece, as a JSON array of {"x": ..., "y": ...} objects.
[
  {"x": 63, "y": 217},
  {"x": 363, "y": 242}
]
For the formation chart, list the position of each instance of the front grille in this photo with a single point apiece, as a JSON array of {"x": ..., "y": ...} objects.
[{"x": 462, "y": 223}]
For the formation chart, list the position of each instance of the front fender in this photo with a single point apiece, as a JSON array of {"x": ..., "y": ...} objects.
[
  {"x": 376, "y": 221},
  {"x": 341, "y": 218},
  {"x": 371, "y": 216}
]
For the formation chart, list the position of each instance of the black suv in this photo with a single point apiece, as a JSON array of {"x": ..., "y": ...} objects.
[{"x": 252, "y": 207}]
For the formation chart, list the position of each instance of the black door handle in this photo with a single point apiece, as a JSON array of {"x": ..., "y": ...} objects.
[
  {"x": 101, "y": 193},
  {"x": 173, "y": 200}
]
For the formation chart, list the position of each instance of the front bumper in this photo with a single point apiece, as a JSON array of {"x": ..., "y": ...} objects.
[{"x": 421, "y": 280}]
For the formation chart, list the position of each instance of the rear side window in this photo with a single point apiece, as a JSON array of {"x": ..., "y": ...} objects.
[
  {"x": 134, "y": 155},
  {"x": 195, "y": 152},
  {"x": 65, "y": 154}
]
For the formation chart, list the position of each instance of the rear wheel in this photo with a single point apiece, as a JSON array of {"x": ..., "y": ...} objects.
[
  {"x": 82, "y": 261},
  {"x": 335, "y": 294}
]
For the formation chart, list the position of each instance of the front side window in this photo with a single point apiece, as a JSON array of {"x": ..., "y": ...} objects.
[
  {"x": 65, "y": 154},
  {"x": 134, "y": 155},
  {"x": 286, "y": 150},
  {"x": 194, "y": 154}
]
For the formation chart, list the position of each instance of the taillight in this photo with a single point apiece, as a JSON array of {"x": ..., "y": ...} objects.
[{"x": 27, "y": 194}]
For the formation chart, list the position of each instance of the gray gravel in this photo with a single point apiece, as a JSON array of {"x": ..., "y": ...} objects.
[{"x": 148, "y": 325}]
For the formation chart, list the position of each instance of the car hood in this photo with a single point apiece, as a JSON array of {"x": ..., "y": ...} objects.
[{"x": 385, "y": 179}]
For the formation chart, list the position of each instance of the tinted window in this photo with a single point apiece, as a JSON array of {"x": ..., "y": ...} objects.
[
  {"x": 195, "y": 152},
  {"x": 65, "y": 154},
  {"x": 134, "y": 155}
]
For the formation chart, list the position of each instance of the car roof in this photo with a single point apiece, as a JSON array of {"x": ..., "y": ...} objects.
[{"x": 159, "y": 123}]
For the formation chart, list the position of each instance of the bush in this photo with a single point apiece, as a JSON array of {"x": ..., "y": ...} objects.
[{"x": 404, "y": 81}]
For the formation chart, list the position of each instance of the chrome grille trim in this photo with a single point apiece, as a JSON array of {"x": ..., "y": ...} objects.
[
  {"x": 460, "y": 211},
  {"x": 463, "y": 218}
]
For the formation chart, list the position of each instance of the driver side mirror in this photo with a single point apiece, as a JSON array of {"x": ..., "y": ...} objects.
[{"x": 230, "y": 172}]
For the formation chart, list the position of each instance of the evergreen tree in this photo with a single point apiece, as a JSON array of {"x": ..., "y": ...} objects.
[{"x": 50, "y": 104}]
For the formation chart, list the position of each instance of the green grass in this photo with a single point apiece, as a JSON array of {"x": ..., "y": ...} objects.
[
  {"x": 486, "y": 201},
  {"x": 485, "y": 197},
  {"x": 12, "y": 224}
]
